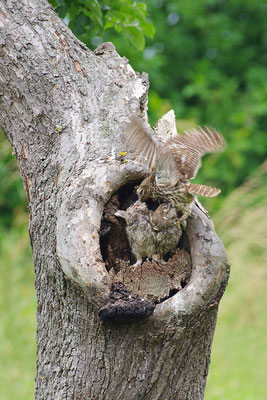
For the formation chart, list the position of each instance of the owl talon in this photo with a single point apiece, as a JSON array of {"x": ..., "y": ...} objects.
[{"x": 181, "y": 222}]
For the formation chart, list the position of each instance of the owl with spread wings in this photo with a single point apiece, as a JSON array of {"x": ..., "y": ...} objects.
[{"x": 173, "y": 163}]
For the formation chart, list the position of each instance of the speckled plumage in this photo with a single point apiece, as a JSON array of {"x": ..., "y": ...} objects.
[
  {"x": 151, "y": 234},
  {"x": 139, "y": 231},
  {"x": 167, "y": 229},
  {"x": 173, "y": 164}
]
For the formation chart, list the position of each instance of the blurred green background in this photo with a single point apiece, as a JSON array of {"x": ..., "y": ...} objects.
[{"x": 208, "y": 61}]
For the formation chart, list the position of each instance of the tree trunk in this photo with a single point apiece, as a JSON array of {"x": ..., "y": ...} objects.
[{"x": 63, "y": 109}]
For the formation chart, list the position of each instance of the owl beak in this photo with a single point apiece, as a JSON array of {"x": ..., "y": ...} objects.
[{"x": 121, "y": 214}]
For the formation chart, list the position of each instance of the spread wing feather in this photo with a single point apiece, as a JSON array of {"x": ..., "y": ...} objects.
[
  {"x": 140, "y": 141},
  {"x": 187, "y": 149},
  {"x": 157, "y": 156},
  {"x": 179, "y": 158},
  {"x": 202, "y": 190}
]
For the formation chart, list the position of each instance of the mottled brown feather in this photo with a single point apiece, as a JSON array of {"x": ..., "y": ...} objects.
[
  {"x": 156, "y": 154},
  {"x": 174, "y": 163},
  {"x": 187, "y": 149},
  {"x": 202, "y": 190},
  {"x": 179, "y": 158}
]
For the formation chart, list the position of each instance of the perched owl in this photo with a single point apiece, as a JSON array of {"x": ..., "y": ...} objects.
[
  {"x": 139, "y": 231},
  {"x": 151, "y": 234},
  {"x": 173, "y": 163},
  {"x": 167, "y": 229}
]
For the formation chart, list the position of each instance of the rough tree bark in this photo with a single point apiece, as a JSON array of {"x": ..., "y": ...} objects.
[{"x": 63, "y": 108}]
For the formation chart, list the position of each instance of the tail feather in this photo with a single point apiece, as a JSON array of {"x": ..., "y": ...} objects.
[{"x": 202, "y": 190}]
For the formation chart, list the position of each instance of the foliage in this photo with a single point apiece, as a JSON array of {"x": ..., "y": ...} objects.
[
  {"x": 89, "y": 18},
  {"x": 12, "y": 195}
]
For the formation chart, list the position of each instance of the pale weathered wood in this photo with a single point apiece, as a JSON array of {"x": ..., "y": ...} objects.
[{"x": 64, "y": 109}]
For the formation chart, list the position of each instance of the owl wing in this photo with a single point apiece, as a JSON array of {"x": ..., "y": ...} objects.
[
  {"x": 202, "y": 190},
  {"x": 157, "y": 156},
  {"x": 187, "y": 149}
]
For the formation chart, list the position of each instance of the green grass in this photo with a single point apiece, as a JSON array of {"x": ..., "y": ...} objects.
[
  {"x": 17, "y": 310},
  {"x": 239, "y": 354}
]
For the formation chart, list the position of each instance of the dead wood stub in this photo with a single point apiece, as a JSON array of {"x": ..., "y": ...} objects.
[
  {"x": 152, "y": 280},
  {"x": 123, "y": 306}
]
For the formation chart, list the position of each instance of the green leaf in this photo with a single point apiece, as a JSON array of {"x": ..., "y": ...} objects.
[
  {"x": 118, "y": 28},
  {"x": 133, "y": 13},
  {"x": 93, "y": 10},
  {"x": 148, "y": 30},
  {"x": 108, "y": 24},
  {"x": 96, "y": 7},
  {"x": 141, "y": 6},
  {"x": 79, "y": 24},
  {"x": 114, "y": 19},
  {"x": 136, "y": 36}
]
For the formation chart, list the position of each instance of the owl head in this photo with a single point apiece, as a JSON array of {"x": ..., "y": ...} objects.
[{"x": 144, "y": 190}]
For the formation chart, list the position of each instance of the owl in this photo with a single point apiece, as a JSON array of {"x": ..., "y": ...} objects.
[
  {"x": 173, "y": 163},
  {"x": 167, "y": 229},
  {"x": 151, "y": 234},
  {"x": 139, "y": 231}
]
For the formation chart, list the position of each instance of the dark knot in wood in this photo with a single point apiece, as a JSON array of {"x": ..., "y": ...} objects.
[{"x": 122, "y": 305}]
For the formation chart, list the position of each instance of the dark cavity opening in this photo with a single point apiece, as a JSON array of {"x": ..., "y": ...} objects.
[
  {"x": 174, "y": 270},
  {"x": 113, "y": 239}
]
